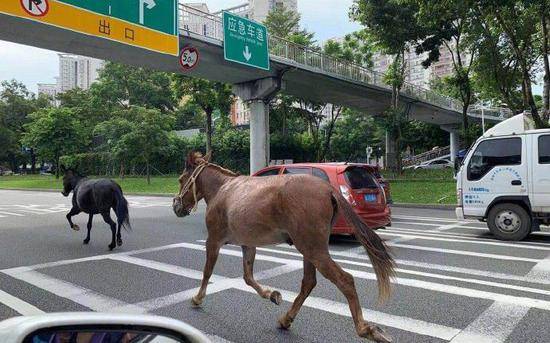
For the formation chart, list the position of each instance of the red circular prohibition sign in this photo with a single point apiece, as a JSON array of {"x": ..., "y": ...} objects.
[{"x": 36, "y": 8}]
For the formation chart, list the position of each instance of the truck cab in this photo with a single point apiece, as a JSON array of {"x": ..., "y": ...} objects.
[{"x": 505, "y": 179}]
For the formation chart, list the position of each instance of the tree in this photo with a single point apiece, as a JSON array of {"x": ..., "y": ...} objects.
[
  {"x": 16, "y": 103},
  {"x": 111, "y": 133},
  {"x": 282, "y": 22},
  {"x": 354, "y": 48},
  {"x": 451, "y": 29},
  {"x": 390, "y": 28},
  {"x": 352, "y": 135},
  {"x": 208, "y": 95},
  {"x": 54, "y": 132},
  {"x": 121, "y": 85},
  {"x": 516, "y": 22},
  {"x": 146, "y": 135}
]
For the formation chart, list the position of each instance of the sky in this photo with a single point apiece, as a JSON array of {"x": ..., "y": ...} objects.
[{"x": 327, "y": 18}]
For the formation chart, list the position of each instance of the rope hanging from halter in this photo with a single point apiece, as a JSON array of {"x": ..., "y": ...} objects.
[{"x": 192, "y": 182}]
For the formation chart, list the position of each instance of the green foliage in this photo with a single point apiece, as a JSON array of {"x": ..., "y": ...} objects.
[
  {"x": 121, "y": 85},
  {"x": 282, "y": 22},
  {"x": 189, "y": 115},
  {"x": 54, "y": 132}
]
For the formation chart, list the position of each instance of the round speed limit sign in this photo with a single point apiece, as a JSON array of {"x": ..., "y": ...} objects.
[{"x": 189, "y": 58}]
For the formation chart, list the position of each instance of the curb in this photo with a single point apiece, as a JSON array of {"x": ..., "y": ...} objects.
[
  {"x": 58, "y": 191},
  {"x": 426, "y": 206}
]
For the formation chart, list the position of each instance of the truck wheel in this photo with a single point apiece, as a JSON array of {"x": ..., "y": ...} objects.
[{"x": 509, "y": 222}]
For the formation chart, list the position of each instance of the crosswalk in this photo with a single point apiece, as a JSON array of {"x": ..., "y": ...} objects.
[
  {"x": 25, "y": 210},
  {"x": 493, "y": 284}
]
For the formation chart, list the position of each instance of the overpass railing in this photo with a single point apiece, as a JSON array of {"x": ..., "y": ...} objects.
[{"x": 211, "y": 26}]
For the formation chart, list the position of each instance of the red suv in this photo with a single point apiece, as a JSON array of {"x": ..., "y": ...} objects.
[{"x": 361, "y": 184}]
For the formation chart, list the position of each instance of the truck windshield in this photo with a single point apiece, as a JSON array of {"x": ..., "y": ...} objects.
[{"x": 492, "y": 153}]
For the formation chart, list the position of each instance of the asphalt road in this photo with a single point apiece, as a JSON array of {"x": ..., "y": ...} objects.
[{"x": 455, "y": 283}]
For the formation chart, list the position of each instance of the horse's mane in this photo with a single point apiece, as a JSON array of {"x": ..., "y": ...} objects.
[{"x": 223, "y": 170}]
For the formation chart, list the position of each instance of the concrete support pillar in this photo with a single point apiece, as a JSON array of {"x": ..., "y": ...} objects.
[
  {"x": 455, "y": 144},
  {"x": 259, "y": 135},
  {"x": 258, "y": 94}
]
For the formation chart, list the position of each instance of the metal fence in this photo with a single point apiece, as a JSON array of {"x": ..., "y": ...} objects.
[{"x": 211, "y": 26}]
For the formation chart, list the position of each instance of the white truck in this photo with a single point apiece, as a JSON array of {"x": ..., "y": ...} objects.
[{"x": 504, "y": 179}]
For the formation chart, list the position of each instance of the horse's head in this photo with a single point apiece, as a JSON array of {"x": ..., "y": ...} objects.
[
  {"x": 69, "y": 176},
  {"x": 190, "y": 193}
]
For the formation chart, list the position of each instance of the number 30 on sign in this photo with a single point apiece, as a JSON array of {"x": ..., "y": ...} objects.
[{"x": 189, "y": 58}]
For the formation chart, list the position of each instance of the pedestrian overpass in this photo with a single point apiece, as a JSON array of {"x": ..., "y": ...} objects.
[{"x": 296, "y": 70}]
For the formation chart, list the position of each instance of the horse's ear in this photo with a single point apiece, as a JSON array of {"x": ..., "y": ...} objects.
[
  {"x": 190, "y": 162},
  {"x": 208, "y": 156},
  {"x": 62, "y": 168}
]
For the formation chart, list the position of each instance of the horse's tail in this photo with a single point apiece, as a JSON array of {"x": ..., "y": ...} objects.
[
  {"x": 382, "y": 261},
  {"x": 121, "y": 210}
]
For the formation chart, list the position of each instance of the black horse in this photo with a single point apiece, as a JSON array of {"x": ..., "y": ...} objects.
[{"x": 96, "y": 197}]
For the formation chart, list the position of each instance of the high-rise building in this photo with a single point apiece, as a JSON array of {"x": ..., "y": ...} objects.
[
  {"x": 77, "y": 72},
  {"x": 50, "y": 90},
  {"x": 415, "y": 72},
  {"x": 259, "y": 9}
]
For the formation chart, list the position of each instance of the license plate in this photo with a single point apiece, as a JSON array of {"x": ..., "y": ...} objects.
[{"x": 370, "y": 197}]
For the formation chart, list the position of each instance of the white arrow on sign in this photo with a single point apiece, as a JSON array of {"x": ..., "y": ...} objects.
[
  {"x": 247, "y": 54},
  {"x": 142, "y": 4}
]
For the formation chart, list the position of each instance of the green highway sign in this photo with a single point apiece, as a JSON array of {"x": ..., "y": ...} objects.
[
  {"x": 159, "y": 15},
  {"x": 245, "y": 41}
]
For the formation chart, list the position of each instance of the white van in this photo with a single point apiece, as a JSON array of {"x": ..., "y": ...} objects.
[{"x": 505, "y": 179}]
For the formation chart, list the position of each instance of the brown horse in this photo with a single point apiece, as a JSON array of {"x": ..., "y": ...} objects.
[{"x": 298, "y": 209}]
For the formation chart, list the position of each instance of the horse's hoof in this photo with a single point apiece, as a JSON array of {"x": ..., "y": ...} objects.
[
  {"x": 374, "y": 333},
  {"x": 86, "y": 241},
  {"x": 196, "y": 302},
  {"x": 112, "y": 246},
  {"x": 285, "y": 322},
  {"x": 276, "y": 298},
  {"x": 75, "y": 227},
  {"x": 119, "y": 242}
]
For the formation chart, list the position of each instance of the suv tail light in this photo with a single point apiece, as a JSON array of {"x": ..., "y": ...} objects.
[
  {"x": 383, "y": 195},
  {"x": 459, "y": 197},
  {"x": 346, "y": 192}
]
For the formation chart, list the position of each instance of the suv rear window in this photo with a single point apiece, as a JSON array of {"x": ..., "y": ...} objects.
[
  {"x": 359, "y": 178},
  {"x": 293, "y": 170},
  {"x": 321, "y": 174}
]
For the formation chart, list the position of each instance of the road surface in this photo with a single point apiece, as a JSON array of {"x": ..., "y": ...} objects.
[{"x": 455, "y": 283}]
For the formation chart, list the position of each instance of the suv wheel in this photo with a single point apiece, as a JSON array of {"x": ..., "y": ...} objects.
[{"x": 509, "y": 222}]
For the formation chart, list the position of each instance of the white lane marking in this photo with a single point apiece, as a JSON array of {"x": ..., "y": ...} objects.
[
  {"x": 18, "y": 305},
  {"x": 403, "y": 323},
  {"x": 494, "y": 325},
  {"x": 461, "y": 291},
  {"x": 432, "y": 237},
  {"x": 10, "y": 214},
  {"x": 67, "y": 290},
  {"x": 431, "y": 266},
  {"x": 432, "y": 219},
  {"x": 220, "y": 283},
  {"x": 431, "y": 275},
  {"x": 458, "y": 226},
  {"x": 432, "y": 286},
  {"x": 541, "y": 271},
  {"x": 465, "y": 253},
  {"x": 217, "y": 339},
  {"x": 90, "y": 258},
  {"x": 434, "y": 233}
]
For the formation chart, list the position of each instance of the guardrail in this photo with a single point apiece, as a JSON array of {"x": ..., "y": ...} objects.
[{"x": 211, "y": 26}]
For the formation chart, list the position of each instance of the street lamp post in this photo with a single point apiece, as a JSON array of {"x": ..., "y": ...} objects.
[{"x": 483, "y": 118}]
